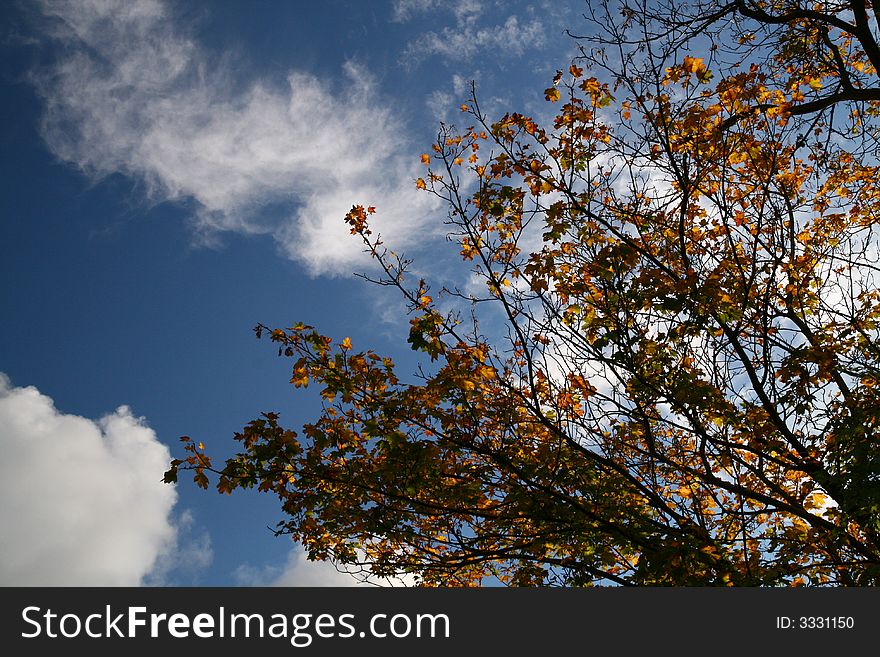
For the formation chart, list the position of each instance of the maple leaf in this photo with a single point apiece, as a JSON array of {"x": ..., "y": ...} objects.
[{"x": 669, "y": 371}]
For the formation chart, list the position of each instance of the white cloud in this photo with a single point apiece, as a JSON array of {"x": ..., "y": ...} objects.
[
  {"x": 184, "y": 559},
  {"x": 445, "y": 104},
  {"x": 81, "y": 501},
  {"x": 441, "y": 105},
  {"x": 133, "y": 94},
  {"x": 460, "y": 85},
  {"x": 464, "y": 10},
  {"x": 299, "y": 571},
  {"x": 466, "y": 40},
  {"x": 404, "y": 10}
]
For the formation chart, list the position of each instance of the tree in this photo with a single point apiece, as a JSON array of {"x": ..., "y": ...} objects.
[{"x": 685, "y": 388}]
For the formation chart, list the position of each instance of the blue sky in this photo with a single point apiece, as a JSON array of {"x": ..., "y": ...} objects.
[{"x": 173, "y": 174}]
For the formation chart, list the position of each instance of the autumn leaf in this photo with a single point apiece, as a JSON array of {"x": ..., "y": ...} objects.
[{"x": 660, "y": 362}]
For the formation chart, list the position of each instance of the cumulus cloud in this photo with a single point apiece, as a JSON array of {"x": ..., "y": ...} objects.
[
  {"x": 185, "y": 558},
  {"x": 299, "y": 571},
  {"x": 133, "y": 93},
  {"x": 81, "y": 501}
]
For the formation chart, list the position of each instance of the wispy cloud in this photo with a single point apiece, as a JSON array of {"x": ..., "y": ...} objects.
[
  {"x": 404, "y": 10},
  {"x": 464, "y": 10},
  {"x": 133, "y": 93},
  {"x": 466, "y": 40},
  {"x": 81, "y": 501},
  {"x": 475, "y": 30}
]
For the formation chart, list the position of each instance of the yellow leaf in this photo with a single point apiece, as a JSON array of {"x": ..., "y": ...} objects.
[
  {"x": 486, "y": 372},
  {"x": 694, "y": 65}
]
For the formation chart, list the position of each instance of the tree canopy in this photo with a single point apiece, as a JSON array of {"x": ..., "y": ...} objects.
[{"x": 686, "y": 386}]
